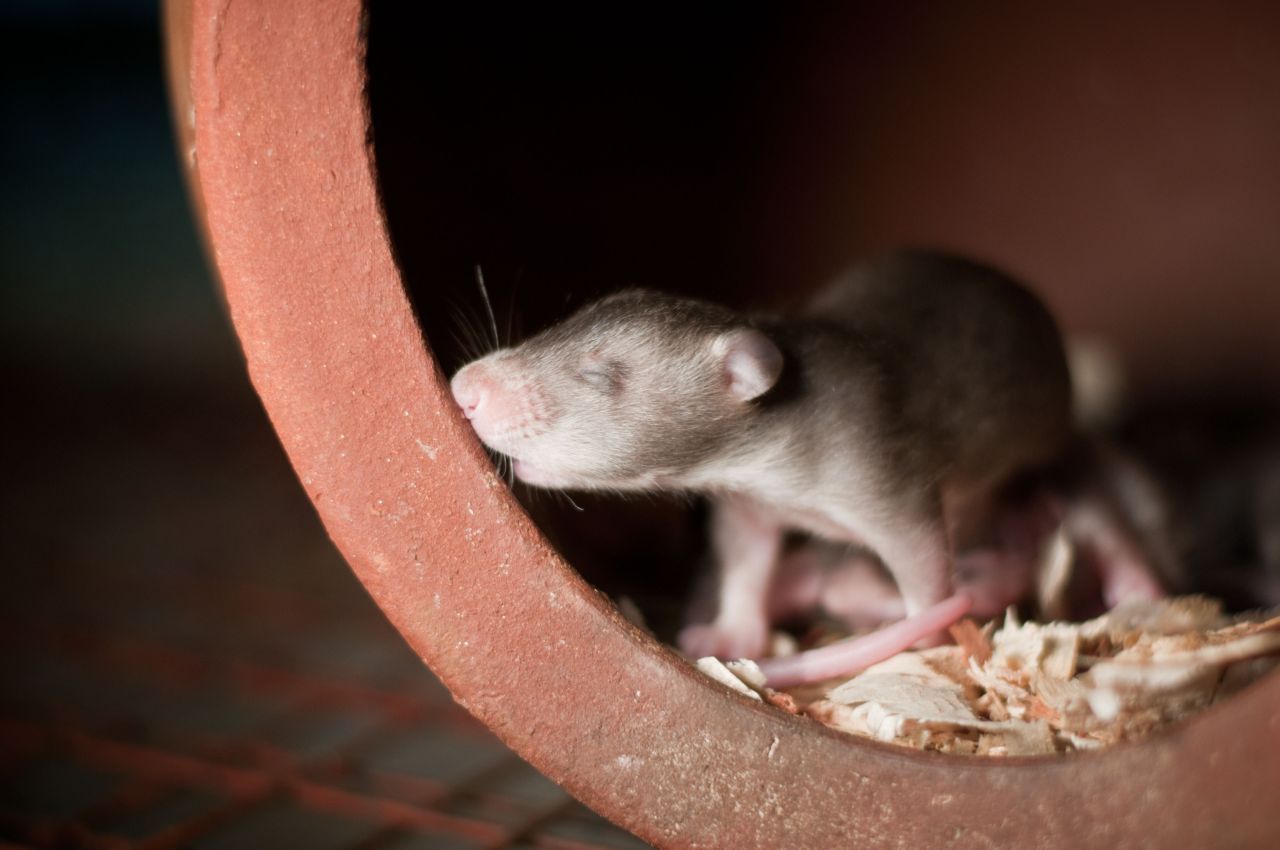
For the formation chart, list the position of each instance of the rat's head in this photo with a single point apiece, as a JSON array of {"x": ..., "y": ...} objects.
[{"x": 629, "y": 393}]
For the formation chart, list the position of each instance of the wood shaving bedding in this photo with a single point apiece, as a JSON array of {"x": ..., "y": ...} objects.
[
  {"x": 1036, "y": 689},
  {"x": 1027, "y": 688}
]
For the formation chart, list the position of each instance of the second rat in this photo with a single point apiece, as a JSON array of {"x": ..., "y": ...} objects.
[{"x": 889, "y": 415}]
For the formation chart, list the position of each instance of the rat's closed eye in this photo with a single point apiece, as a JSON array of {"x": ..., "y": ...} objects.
[{"x": 602, "y": 375}]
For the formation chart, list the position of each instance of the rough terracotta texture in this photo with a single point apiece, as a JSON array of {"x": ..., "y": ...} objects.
[{"x": 283, "y": 164}]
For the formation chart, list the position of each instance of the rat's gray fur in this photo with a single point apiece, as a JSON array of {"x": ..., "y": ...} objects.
[{"x": 910, "y": 390}]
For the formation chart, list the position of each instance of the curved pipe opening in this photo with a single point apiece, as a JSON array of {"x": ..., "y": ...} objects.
[{"x": 296, "y": 224}]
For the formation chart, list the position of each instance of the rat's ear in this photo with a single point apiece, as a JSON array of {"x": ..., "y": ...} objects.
[{"x": 752, "y": 363}]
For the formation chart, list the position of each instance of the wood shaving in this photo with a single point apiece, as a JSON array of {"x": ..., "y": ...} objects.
[
  {"x": 1042, "y": 688},
  {"x": 975, "y": 642},
  {"x": 745, "y": 677},
  {"x": 1057, "y": 562},
  {"x": 718, "y": 670}
]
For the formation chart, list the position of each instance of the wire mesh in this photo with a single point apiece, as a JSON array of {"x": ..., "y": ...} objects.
[
  {"x": 119, "y": 738},
  {"x": 185, "y": 662}
]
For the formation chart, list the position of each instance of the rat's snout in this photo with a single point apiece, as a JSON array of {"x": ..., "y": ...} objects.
[
  {"x": 496, "y": 395},
  {"x": 472, "y": 387},
  {"x": 469, "y": 390}
]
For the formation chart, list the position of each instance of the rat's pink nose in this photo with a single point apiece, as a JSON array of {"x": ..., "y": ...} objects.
[
  {"x": 493, "y": 395},
  {"x": 469, "y": 391}
]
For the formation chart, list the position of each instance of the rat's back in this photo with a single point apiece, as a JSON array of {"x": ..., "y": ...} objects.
[{"x": 977, "y": 363}]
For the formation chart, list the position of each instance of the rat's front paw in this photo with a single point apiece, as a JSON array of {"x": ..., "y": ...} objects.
[{"x": 740, "y": 640}]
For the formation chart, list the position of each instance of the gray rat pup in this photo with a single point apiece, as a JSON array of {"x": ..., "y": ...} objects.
[{"x": 888, "y": 415}]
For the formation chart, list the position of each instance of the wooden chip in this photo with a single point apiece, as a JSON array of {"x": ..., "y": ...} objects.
[
  {"x": 1053, "y": 577},
  {"x": 782, "y": 700},
  {"x": 972, "y": 640},
  {"x": 716, "y": 669},
  {"x": 1051, "y": 649}
]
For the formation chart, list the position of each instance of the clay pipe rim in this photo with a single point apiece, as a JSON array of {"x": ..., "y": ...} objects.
[{"x": 287, "y": 177}]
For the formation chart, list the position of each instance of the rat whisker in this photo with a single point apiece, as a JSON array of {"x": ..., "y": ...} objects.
[
  {"x": 529, "y": 496},
  {"x": 488, "y": 306},
  {"x": 463, "y": 344},
  {"x": 479, "y": 337},
  {"x": 511, "y": 305},
  {"x": 499, "y": 462},
  {"x": 466, "y": 334},
  {"x": 473, "y": 346}
]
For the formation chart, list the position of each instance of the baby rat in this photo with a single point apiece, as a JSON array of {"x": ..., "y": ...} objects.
[{"x": 889, "y": 415}]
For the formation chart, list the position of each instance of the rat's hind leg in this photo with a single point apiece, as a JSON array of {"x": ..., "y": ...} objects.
[
  {"x": 846, "y": 582},
  {"x": 861, "y": 594},
  {"x": 746, "y": 538},
  {"x": 994, "y": 578},
  {"x": 999, "y": 568},
  {"x": 1126, "y": 572},
  {"x": 918, "y": 556},
  {"x": 799, "y": 578}
]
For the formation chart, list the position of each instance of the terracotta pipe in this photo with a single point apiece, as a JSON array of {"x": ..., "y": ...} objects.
[{"x": 287, "y": 180}]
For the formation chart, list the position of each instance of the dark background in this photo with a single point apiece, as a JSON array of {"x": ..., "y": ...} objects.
[
  {"x": 101, "y": 266},
  {"x": 113, "y": 338}
]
